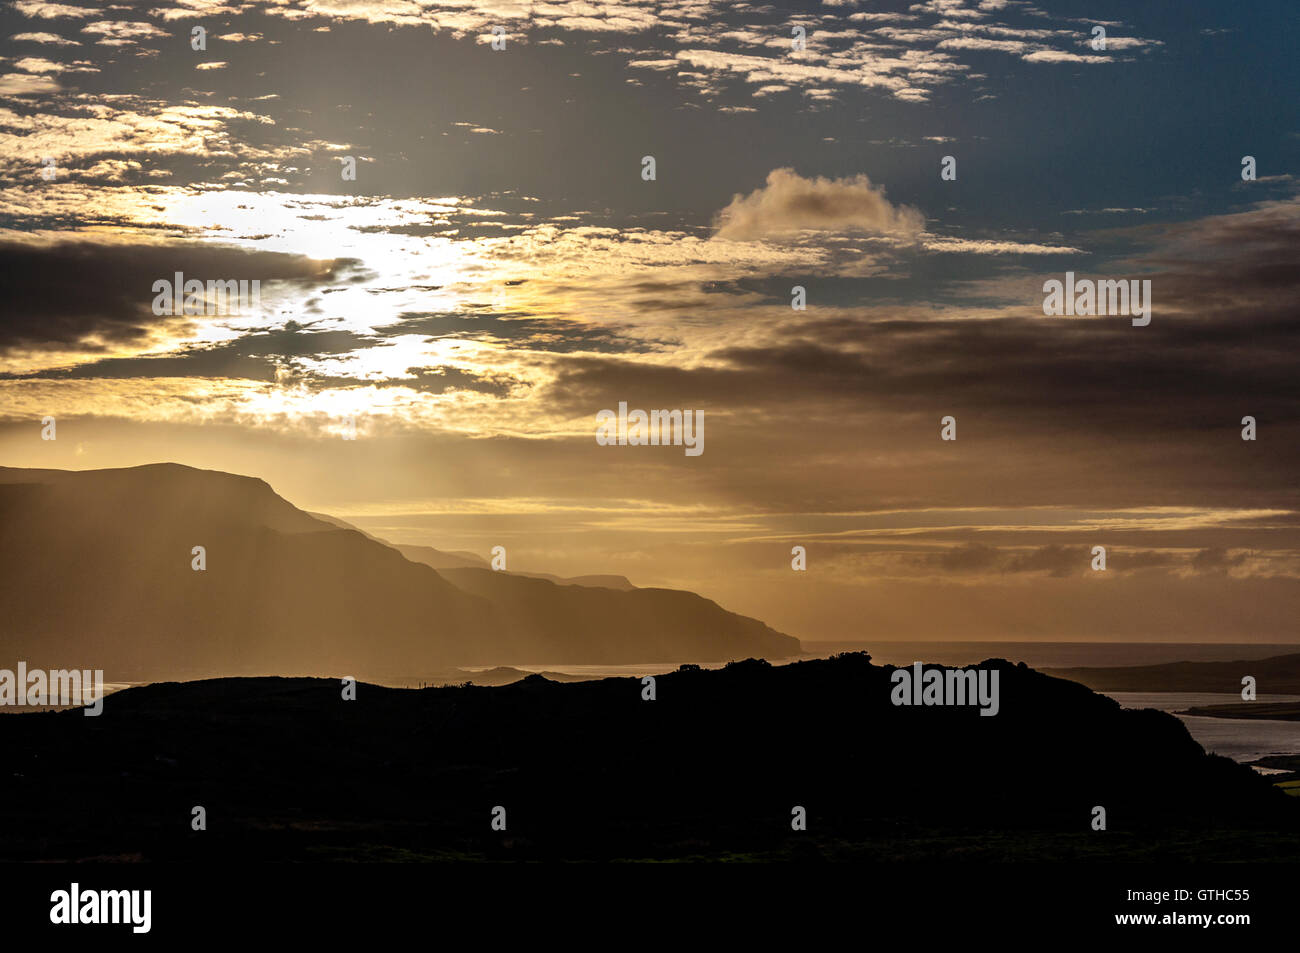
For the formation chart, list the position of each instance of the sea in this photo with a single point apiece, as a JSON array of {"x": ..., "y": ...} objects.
[{"x": 1241, "y": 739}]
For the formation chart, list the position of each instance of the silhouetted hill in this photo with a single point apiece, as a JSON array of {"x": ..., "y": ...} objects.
[
  {"x": 95, "y": 572},
  {"x": 1279, "y": 675},
  {"x": 659, "y": 622},
  {"x": 711, "y": 768},
  {"x": 505, "y": 675},
  {"x": 439, "y": 559},
  {"x": 458, "y": 559},
  {"x": 591, "y": 581}
]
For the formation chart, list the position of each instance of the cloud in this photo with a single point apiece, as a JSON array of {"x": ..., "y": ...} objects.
[
  {"x": 129, "y": 127},
  {"x": 39, "y": 10},
  {"x": 38, "y": 64},
  {"x": 1061, "y": 560},
  {"x": 1061, "y": 56},
  {"x": 478, "y": 129},
  {"x": 981, "y": 43},
  {"x": 947, "y": 8},
  {"x": 92, "y": 298},
  {"x": 1124, "y": 43},
  {"x": 120, "y": 33},
  {"x": 23, "y": 84},
  {"x": 46, "y": 39},
  {"x": 986, "y": 247},
  {"x": 790, "y": 203}
]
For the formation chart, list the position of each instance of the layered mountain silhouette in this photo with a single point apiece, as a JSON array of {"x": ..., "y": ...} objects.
[
  {"x": 96, "y": 572},
  {"x": 437, "y": 559}
]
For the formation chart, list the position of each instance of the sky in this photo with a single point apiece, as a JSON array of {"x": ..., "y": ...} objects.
[{"x": 501, "y": 268}]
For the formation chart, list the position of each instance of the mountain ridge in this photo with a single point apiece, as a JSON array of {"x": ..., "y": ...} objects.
[{"x": 98, "y": 572}]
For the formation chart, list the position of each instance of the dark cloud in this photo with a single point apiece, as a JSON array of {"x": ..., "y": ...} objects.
[
  {"x": 1217, "y": 560},
  {"x": 95, "y": 296},
  {"x": 1060, "y": 560},
  {"x": 259, "y": 356},
  {"x": 527, "y": 333},
  {"x": 425, "y": 380},
  {"x": 1049, "y": 411}
]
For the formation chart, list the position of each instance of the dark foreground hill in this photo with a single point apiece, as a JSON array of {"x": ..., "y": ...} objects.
[
  {"x": 1279, "y": 675},
  {"x": 97, "y": 571},
  {"x": 712, "y": 768}
]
